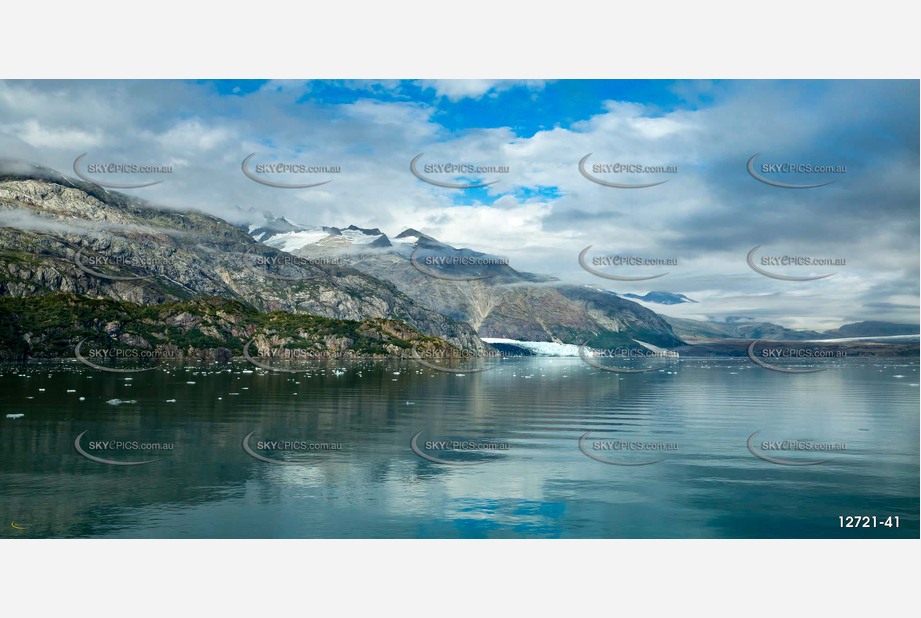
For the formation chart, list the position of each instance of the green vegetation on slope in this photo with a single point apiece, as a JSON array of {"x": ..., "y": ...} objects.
[{"x": 51, "y": 325}]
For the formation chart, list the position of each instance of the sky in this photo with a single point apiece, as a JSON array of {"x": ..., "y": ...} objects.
[{"x": 542, "y": 211}]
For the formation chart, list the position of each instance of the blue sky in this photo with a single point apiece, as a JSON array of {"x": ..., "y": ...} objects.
[
  {"x": 542, "y": 211},
  {"x": 521, "y": 108}
]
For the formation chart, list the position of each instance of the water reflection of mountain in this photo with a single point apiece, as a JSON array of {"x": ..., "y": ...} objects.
[
  {"x": 376, "y": 487},
  {"x": 58, "y": 493}
]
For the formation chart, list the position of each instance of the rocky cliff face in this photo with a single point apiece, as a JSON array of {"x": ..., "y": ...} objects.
[
  {"x": 59, "y": 235},
  {"x": 511, "y": 304}
]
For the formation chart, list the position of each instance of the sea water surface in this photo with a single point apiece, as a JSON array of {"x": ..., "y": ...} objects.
[{"x": 543, "y": 447}]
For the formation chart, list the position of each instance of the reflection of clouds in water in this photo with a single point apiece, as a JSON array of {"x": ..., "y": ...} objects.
[{"x": 543, "y": 486}]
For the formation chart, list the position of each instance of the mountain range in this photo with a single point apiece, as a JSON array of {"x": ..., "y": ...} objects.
[
  {"x": 479, "y": 289},
  {"x": 661, "y": 298},
  {"x": 60, "y": 235},
  {"x": 741, "y": 328}
]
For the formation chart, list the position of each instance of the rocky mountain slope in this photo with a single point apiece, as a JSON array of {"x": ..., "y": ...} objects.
[
  {"x": 480, "y": 289},
  {"x": 660, "y": 298},
  {"x": 61, "y": 235},
  {"x": 700, "y": 330}
]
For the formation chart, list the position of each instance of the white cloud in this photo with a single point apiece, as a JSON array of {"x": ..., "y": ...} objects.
[
  {"x": 193, "y": 135},
  {"x": 38, "y": 135},
  {"x": 457, "y": 89},
  {"x": 708, "y": 215}
]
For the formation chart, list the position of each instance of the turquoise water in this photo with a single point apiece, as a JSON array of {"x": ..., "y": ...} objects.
[{"x": 526, "y": 416}]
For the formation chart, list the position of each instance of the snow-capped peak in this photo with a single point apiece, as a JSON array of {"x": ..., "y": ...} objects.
[{"x": 284, "y": 234}]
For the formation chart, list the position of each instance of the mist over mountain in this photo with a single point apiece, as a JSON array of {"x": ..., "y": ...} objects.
[
  {"x": 661, "y": 298},
  {"x": 743, "y": 328},
  {"x": 63, "y": 235},
  {"x": 60, "y": 235},
  {"x": 480, "y": 289},
  {"x": 873, "y": 329}
]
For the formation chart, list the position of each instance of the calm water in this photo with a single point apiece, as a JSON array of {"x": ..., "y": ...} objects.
[{"x": 541, "y": 485}]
